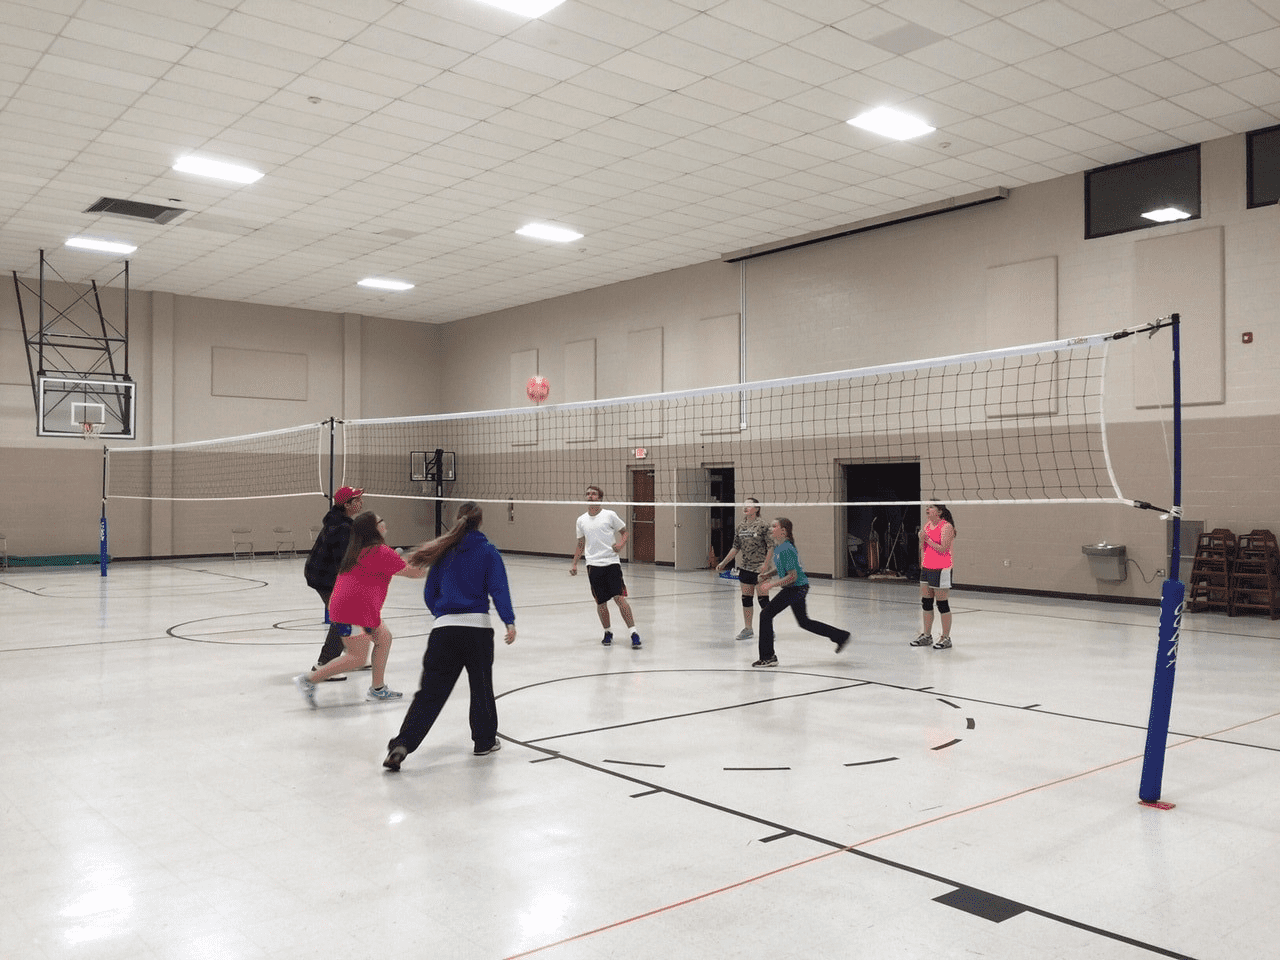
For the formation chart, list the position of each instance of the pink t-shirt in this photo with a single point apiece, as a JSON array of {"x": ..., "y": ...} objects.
[
  {"x": 359, "y": 593},
  {"x": 932, "y": 559}
]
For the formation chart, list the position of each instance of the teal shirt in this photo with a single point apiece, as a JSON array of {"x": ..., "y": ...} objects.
[{"x": 786, "y": 560}]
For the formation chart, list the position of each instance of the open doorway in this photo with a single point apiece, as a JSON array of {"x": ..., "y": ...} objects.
[{"x": 882, "y": 538}]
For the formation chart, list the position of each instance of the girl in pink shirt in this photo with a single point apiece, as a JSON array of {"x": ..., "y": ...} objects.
[
  {"x": 361, "y": 588},
  {"x": 936, "y": 537}
]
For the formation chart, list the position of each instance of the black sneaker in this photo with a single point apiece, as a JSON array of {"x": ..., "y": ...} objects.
[
  {"x": 766, "y": 662},
  {"x": 395, "y": 757},
  {"x": 635, "y": 641},
  {"x": 497, "y": 745},
  {"x": 844, "y": 639},
  {"x": 608, "y": 638}
]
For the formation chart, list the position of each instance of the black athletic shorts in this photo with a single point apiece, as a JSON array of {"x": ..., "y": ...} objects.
[
  {"x": 606, "y": 582},
  {"x": 749, "y": 577}
]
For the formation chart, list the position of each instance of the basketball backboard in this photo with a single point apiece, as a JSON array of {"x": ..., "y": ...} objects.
[{"x": 64, "y": 405}]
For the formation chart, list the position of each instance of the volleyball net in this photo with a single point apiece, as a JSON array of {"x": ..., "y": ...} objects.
[{"x": 1017, "y": 425}]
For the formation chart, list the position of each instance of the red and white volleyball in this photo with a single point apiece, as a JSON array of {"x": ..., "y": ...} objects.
[{"x": 538, "y": 389}]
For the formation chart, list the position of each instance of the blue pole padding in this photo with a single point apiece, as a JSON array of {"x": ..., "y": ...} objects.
[
  {"x": 1171, "y": 603},
  {"x": 102, "y": 545}
]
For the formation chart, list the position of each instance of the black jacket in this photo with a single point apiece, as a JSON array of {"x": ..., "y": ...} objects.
[{"x": 326, "y": 554}]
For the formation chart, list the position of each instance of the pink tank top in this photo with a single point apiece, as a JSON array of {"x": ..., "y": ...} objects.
[{"x": 932, "y": 559}]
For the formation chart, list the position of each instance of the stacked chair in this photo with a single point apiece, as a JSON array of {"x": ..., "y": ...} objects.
[
  {"x": 1255, "y": 576},
  {"x": 1210, "y": 585}
]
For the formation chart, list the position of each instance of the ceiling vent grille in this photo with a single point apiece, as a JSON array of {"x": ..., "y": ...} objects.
[{"x": 138, "y": 211}]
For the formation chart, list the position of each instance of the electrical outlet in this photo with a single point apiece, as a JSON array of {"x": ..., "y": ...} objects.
[
  {"x": 1006, "y": 563},
  {"x": 1160, "y": 572}
]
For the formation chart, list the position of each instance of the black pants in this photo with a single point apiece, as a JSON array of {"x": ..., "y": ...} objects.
[
  {"x": 793, "y": 597},
  {"x": 332, "y": 648},
  {"x": 450, "y": 650}
]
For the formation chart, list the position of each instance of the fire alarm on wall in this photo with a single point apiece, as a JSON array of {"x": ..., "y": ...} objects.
[{"x": 1246, "y": 337}]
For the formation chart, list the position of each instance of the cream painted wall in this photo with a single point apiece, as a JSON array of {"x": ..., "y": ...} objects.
[{"x": 909, "y": 291}]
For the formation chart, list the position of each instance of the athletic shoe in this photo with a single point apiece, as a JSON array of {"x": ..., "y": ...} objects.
[
  {"x": 497, "y": 745},
  {"x": 336, "y": 678},
  {"x": 383, "y": 693},
  {"x": 767, "y": 662},
  {"x": 395, "y": 757},
  {"x": 844, "y": 638},
  {"x": 306, "y": 688},
  {"x": 924, "y": 640},
  {"x": 746, "y": 633},
  {"x": 608, "y": 638},
  {"x": 635, "y": 641},
  {"x": 944, "y": 643}
]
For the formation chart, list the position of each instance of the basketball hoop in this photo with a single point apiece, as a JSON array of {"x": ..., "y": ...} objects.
[{"x": 92, "y": 430}]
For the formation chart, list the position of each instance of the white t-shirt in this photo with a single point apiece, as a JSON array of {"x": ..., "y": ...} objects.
[{"x": 599, "y": 533}]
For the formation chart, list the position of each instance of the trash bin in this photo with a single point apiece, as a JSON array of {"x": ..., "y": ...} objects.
[{"x": 1107, "y": 561}]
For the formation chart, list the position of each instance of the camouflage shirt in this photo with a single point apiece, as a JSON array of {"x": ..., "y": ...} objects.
[{"x": 752, "y": 543}]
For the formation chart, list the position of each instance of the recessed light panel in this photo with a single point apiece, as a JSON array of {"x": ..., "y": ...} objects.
[
  {"x": 1167, "y": 215},
  {"x": 102, "y": 246},
  {"x": 545, "y": 231},
  {"x": 217, "y": 170},
  {"x": 891, "y": 123},
  {"x": 525, "y": 8},
  {"x": 377, "y": 283}
]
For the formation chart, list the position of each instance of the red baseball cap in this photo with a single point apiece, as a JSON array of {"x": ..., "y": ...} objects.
[{"x": 346, "y": 494}]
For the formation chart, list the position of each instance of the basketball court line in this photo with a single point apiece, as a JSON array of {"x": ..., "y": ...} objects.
[{"x": 962, "y": 896}]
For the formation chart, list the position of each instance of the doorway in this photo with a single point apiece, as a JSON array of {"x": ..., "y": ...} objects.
[{"x": 881, "y": 537}]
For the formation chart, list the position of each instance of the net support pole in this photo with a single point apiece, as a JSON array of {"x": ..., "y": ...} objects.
[
  {"x": 102, "y": 521},
  {"x": 1172, "y": 598}
]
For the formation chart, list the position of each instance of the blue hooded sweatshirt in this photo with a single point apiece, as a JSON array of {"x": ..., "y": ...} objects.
[{"x": 463, "y": 580}]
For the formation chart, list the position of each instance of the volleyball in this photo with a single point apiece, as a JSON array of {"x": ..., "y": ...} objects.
[{"x": 538, "y": 389}]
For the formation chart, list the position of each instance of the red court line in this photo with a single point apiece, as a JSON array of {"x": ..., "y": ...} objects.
[{"x": 862, "y": 843}]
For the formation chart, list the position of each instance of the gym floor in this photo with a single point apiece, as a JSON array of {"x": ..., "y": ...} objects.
[{"x": 167, "y": 793}]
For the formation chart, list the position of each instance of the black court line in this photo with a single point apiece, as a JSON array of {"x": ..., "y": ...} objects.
[
  {"x": 644, "y": 793},
  {"x": 943, "y": 746},
  {"x": 754, "y": 769},
  {"x": 955, "y": 706},
  {"x": 636, "y": 763},
  {"x": 867, "y": 763},
  {"x": 973, "y": 895},
  {"x": 680, "y": 716}
]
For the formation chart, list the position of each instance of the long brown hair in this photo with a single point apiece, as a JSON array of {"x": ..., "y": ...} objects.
[
  {"x": 364, "y": 534},
  {"x": 785, "y": 524},
  {"x": 469, "y": 517}
]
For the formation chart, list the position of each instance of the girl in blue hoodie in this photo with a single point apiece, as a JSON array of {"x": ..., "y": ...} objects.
[{"x": 466, "y": 571}]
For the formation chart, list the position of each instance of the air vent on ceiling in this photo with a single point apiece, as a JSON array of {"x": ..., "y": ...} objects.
[{"x": 138, "y": 211}]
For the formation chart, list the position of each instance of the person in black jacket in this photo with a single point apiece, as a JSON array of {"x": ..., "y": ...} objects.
[{"x": 321, "y": 569}]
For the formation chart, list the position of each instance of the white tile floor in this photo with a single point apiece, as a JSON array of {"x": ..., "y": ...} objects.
[{"x": 166, "y": 793}]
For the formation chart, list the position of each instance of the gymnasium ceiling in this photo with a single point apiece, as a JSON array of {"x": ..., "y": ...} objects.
[{"x": 410, "y": 138}]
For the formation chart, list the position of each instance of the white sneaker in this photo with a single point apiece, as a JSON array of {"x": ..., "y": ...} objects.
[
  {"x": 745, "y": 634},
  {"x": 383, "y": 693}
]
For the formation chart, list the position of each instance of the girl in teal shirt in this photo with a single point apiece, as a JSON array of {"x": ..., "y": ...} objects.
[{"x": 794, "y": 588}]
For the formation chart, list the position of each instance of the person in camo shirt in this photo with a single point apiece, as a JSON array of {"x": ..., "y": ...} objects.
[{"x": 751, "y": 545}]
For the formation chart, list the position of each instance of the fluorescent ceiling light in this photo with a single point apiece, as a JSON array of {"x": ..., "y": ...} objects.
[
  {"x": 103, "y": 246},
  {"x": 544, "y": 231},
  {"x": 1167, "y": 215},
  {"x": 379, "y": 284},
  {"x": 217, "y": 170},
  {"x": 526, "y": 8},
  {"x": 891, "y": 123}
]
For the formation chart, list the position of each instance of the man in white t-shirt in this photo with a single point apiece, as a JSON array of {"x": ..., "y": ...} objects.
[{"x": 597, "y": 530}]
